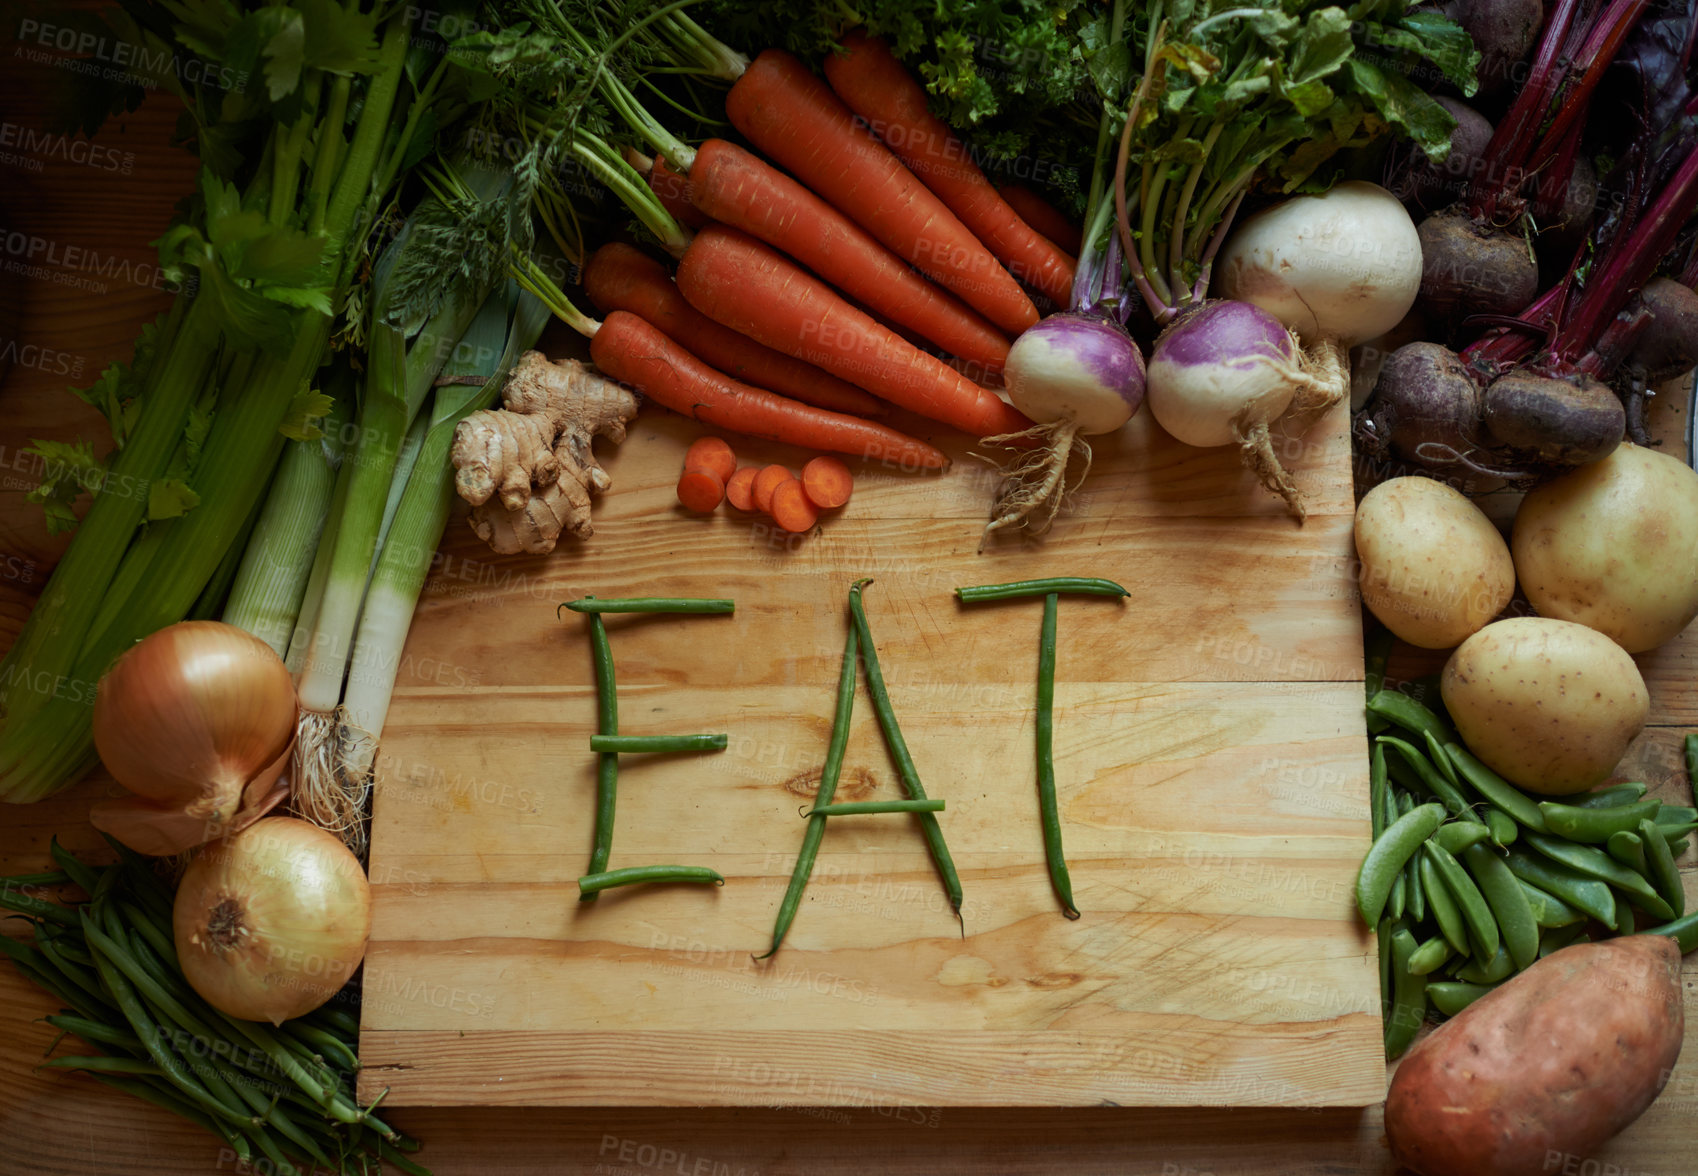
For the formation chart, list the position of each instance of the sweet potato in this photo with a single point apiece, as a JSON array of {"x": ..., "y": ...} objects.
[{"x": 1549, "y": 1064}]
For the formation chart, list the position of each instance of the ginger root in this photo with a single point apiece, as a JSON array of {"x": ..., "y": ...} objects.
[{"x": 534, "y": 456}]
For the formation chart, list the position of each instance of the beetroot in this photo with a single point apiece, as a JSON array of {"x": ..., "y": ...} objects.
[
  {"x": 1503, "y": 32},
  {"x": 1426, "y": 408},
  {"x": 1468, "y": 270},
  {"x": 1557, "y": 421},
  {"x": 1432, "y": 186},
  {"x": 1669, "y": 345}
]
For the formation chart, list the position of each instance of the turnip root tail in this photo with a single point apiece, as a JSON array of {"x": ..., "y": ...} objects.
[
  {"x": 1321, "y": 378},
  {"x": 1034, "y": 482}
]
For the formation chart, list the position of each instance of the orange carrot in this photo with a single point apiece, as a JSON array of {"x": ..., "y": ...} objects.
[
  {"x": 793, "y": 117},
  {"x": 630, "y": 349},
  {"x": 745, "y": 285},
  {"x": 1045, "y": 217},
  {"x": 741, "y": 190},
  {"x": 623, "y": 277},
  {"x": 711, "y": 453},
  {"x": 768, "y": 480},
  {"x": 740, "y": 490},
  {"x": 880, "y": 89},
  {"x": 827, "y": 481},
  {"x": 791, "y": 509},
  {"x": 700, "y": 490},
  {"x": 673, "y": 192}
]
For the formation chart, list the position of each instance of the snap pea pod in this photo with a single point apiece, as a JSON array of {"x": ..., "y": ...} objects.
[
  {"x": 1476, "y": 914},
  {"x": 1556, "y": 940},
  {"x": 1626, "y": 919},
  {"x": 652, "y": 604},
  {"x": 1431, "y": 778},
  {"x": 1409, "y": 997},
  {"x": 1664, "y": 876},
  {"x": 1597, "y": 864},
  {"x": 638, "y": 875},
  {"x": 1451, "y": 997},
  {"x": 1578, "y": 890},
  {"x": 1683, "y": 930},
  {"x": 1072, "y": 585},
  {"x": 1376, "y": 652},
  {"x": 1495, "y": 788},
  {"x": 1503, "y": 827},
  {"x": 1382, "y": 868},
  {"x": 1628, "y": 849},
  {"x": 1397, "y": 902},
  {"x": 1595, "y": 825},
  {"x": 1612, "y": 797},
  {"x": 1411, "y": 715},
  {"x": 1676, "y": 814},
  {"x": 1676, "y": 848},
  {"x": 1387, "y": 928},
  {"x": 1415, "y": 893},
  {"x": 1430, "y": 956},
  {"x": 1377, "y": 785},
  {"x": 1499, "y": 967},
  {"x": 1443, "y": 906},
  {"x": 1441, "y": 761},
  {"x": 1456, "y": 836},
  {"x": 1403, "y": 894},
  {"x": 1673, "y": 833},
  {"x": 660, "y": 744},
  {"x": 1548, "y": 909},
  {"x": 1510, "y": 908},
  {"x": 930, "y": 804}
]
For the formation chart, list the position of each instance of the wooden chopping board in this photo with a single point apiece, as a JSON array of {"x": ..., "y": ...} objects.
[{"x": 1212, "y": 774}]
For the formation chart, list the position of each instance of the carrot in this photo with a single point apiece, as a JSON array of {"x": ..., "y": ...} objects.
[
  {"x": 794, "y": 118},
  {"x": 623, "y": 277},
  {"x": 1045, "y": 217},
  {"x": 766, "y": 481},
  {"x": 880, "y": 89},
  {"x": 739, "y": 189},
  {"x": 713, "y": 454},
  {"x": 791, "y": 509},
  {"x": 827, "y": 481},
  {"x": 700, "y": 490},
  {"x": 673, "y": 192},
  {"x": 740, "y": 490},
  {"x": 630, "y": 349},
  {"x": 745, "y": 285}
]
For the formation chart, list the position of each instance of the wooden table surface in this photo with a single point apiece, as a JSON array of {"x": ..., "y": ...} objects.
[{"x": 76, "y": 280}]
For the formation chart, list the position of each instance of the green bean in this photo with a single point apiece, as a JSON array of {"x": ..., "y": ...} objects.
[
  {"x": 1456, "y": 836},
  {"x": 1557, "y": 939},
  {"x": 336, "y": 1021},
  {"x": 1597, "y": 864},
  {"x": 273, "y": 1155},
  {"x": 1510, "y": 908},
  {"x": 84, "y": 981},
  {"x": 40, "y": 908},
  {"x": 26, "y": 959},
  {"x": 1410, "y": 714},
  {"x": 1451, "y": 997},
  {"x": 635, "y": 875},
  {"x": 1594, "y": 825},
  {"x": 1549, "y": 910},
  {"x": 1443, "y": 906},
  {"x": 1683, "y": 930},
  {"x": 33, "y": 881},
  {"x": 841, "y": 715},
  {"x": 327, "y": 1098},
  {"x": 1476, "y": 914},
  {"x": 98, "y": 1032},
  {"x": 105, "y": 1065},
  {"x": 1664, "y": 877},
  {"x": 1431, "y": 778},
  {"x": 658, "y": 743},
  {"x": 861, "y": 808},
  {"x": 652, "y": 604},
  {"x": 1503, "y": 826},
  {"x": 1577, "y": 889},
  {"x": 1382, "y": 868},
  {"x": 331, "y": 1047},
  {"x": 1499, "y": 967},
  {"x": 85, "y": 876},
  {"x": 899, "y": 748},
  {"x": 1495, "y": 788},
  {"x": 1409, "y": 997},
  {"x": 607, "y": 764},
  {"x": 161, "y": 1094},
  {"x": 1614, "y": 796},
  {"x": 1049, "y": 813},
  {"x": 1072, "y": 585},
  {"x": 1430, "y": 955},
  {"x": 390, "y": 1153},
  {"x": 1378, "y": 782},
  {"x": 1690, "y": 744}
]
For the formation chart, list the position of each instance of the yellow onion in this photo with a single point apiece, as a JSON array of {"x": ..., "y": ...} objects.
[
  {"x": 270, "y": 922},
  {"x": 196, "y": 721}
]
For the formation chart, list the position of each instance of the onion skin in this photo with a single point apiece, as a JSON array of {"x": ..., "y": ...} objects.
[
  {"x": 271, "y": 922},
  {"x": 191, "y": 716}
]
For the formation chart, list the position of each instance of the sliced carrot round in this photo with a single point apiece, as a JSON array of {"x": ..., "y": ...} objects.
[
  {"x": 711, "y": 453},
  {"x": 827, "y": 482},
  {"x": 700, "y": 490},
  {"x": 792, "y": 509},
  {"x": 740, "y": 490},
  {"x": 768, "y": 480}
]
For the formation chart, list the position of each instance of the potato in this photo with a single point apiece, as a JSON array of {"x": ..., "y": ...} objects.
[
  {"x": 1614, "y": 545},
  {"x": 1548, "y": 1065},
  {"x": 1550, "y": 705},
  {"x": 1433, "y": 568}
]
